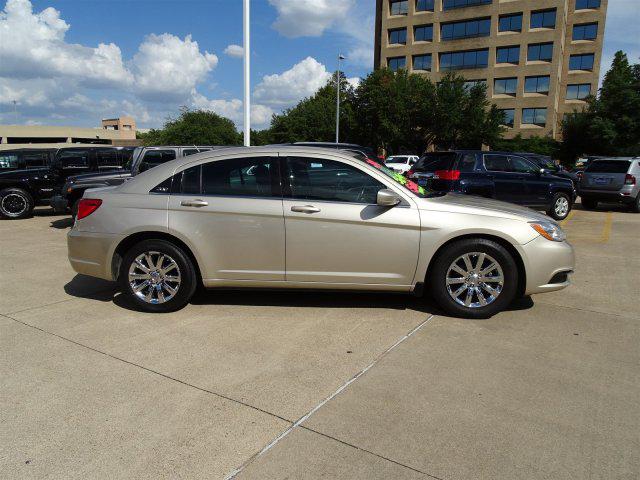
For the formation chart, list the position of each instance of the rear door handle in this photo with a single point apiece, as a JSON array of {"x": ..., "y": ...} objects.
[
  {"x": 194, "y": 203},
  {"x": 305, "y": 209}
]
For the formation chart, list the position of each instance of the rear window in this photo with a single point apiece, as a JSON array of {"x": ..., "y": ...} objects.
[
  {"x": 608, "y": 166},
  {"x": 436, "y": 161}
]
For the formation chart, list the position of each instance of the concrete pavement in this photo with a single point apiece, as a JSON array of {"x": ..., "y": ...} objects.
[{"x": 304, "y": 385}]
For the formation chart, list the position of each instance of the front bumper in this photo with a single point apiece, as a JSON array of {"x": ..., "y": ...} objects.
[
  {"x": 59, "y": 204},
  {"x": 543, "y": 260},
  {"x": 91, "y": 253}
]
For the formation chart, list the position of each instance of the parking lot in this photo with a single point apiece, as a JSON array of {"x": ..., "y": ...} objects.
[{"x": 307, "y": 385}]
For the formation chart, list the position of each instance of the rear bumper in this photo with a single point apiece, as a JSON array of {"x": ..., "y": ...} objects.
[
  {"x": 544, "y": 260},
  {"x": 618, "y": 196},
  {"x": 91, "y": 253},
  {"x": 59, "y": 204}
]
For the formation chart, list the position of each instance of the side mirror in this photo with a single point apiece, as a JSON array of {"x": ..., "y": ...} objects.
[{"x": 387, "y": 198}]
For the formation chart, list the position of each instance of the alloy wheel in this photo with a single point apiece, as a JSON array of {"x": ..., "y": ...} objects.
[
  {"x": 474, "y": 280},
  {"x": 14, "y": 204},
  {"x": 154, "y": 277},
  {"x": 561, "y": 207}
]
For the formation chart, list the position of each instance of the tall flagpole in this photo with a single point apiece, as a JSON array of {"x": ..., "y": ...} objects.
[
  {"x": 338, "y": 82},
  {"x": 247, "y": 84}
]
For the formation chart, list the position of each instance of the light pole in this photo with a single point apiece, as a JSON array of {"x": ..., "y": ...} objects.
[
  {"x": 247, "y": 83},
  {"x": 340, "y": 57}
]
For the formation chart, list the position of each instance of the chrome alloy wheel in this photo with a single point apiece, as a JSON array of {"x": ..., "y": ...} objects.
[
  {"x": 475, "y": 280},
  {"x": 14, "y": 204},
  {"x": 154, "y": 277},
  {"x": 561, "y": 207}
]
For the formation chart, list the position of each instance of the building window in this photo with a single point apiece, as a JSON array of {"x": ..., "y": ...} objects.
[
  {"x": 509, "y": 117},
  {"x": 581, "y": 62},
  {"x": 463, "y": 60},
  {"x": 536, "y": 84},
  {"x": 395, "y": 63},
  {"x": 534, "y": 116},
  {"x": 585, "y": 31},
  {"x": 399, "y": 7},
  {"x": 466, "y": 29},
  {"x": 423, "y": 33},
  {"x": 505, "y": 86},
  {"x": 587, "y": 4},
  {"x": 508, "y": 55},
  {"x": 543, "y": 19},
  {"x": 422, "y": 62},
  {"x": 542, "y": 52},
  {"x": 424, "y": 5},
  {"x": 510, "y": 23},
  {"x": 451, "y": 4},
  {"x": 579, "y": 91},
  {"x": 469, "y": 84},
  {"x": 398, "y": 36}
]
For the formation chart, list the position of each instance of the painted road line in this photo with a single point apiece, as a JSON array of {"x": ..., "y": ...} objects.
[
  {"x": 606, "y": 230},
  {"x": 569, "y": 217}
]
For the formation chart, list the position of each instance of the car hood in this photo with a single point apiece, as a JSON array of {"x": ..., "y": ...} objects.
[{"x": 471, "y": 204}]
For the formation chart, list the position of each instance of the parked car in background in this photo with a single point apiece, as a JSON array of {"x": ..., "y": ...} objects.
[
  {"x": 365, "y": 152},
  {"x": 142, "y": 159},
  {"x": 612, "y": 180},
  {"x": 176, "y": 226},
  {"x": 23, "y": 188},
  {"x": 552, "y": 167},
  {"x": 401, "y": 163},
  {"x": 26, "y": 158},
  {"x": 501, "y": 175}
]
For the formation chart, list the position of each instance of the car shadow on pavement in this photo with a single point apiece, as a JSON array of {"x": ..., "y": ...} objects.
[
  {"x": 62, "y": 223},
  {"x": 95, "y": 289}
]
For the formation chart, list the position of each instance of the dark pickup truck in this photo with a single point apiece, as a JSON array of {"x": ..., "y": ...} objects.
[
  {"x": 504, "y": 176},
  {"x": 143, "y": 159},
  {"x": 39, "y": 175}
]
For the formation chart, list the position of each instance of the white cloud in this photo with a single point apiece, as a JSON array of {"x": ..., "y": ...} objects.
[
  {"x": 308, "y": 18},
  {"x": 235, "y": 51},
  {"x": 285, "y": 89},
  {"x": 361, "y": 55},
  {"x": 233, "y": 110},
  {"x": 168, "y": 68},
  {"x": 354, "y": 81}
]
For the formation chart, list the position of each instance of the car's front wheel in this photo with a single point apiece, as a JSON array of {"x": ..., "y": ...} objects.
[
  {"x": 560, "y": 206},
  {"x": 158, "y": 276},
  {"x": 474, "y": 278},
  {"x": 15, "y": 203}
]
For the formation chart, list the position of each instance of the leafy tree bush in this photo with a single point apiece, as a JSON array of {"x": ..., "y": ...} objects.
[{"x": 542, "y": 145}]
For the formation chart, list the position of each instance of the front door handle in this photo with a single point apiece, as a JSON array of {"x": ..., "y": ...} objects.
[
  {"x": 194, "y": 203},
  {"x": 305, "y": 209}
]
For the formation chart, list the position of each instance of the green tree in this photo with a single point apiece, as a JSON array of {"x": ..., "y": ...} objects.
[
  {"x": 542, "y": 145},
  {"x": 194, "y": 127}
]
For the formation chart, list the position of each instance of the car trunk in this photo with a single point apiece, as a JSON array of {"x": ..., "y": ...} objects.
[{"x": 605, "y": 175}]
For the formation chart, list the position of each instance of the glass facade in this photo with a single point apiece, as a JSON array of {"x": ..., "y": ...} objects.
[
  {"x": 543, "y": 19},
  {"x": 508, "y": 54},
  {"x": 509, "y": 116},
  {"x": 510, "y": 23},
  {"x": 463, "y": 60},
  {"x": 424, "y": 5},
  {"x": 451, "y": 4},
  {"x": 398, "y": 36},
  {"x": 585, "y": 31},
  {"x": 423, "y": 33},
  {"x": 505, "y": 86},
  {"x": 578, "y": 91},
  {"x": 399, "y": 7},
  {"x": 534, "y": 116},
  {"x": 422, "y": 62},
  {"x": 587, "y": 4},
  {"x": 466, "y": 29},
  {"x": 538, "y": 84},
  {"x": 396, "y": 63},
  {"x": 581, "y": 62},
  {"x": 540, "y": 52}
]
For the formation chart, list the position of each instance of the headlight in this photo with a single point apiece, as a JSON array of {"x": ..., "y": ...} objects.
[{"x": 549, "y": 230}]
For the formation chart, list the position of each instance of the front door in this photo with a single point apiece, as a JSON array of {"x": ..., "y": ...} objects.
[
  {"x": 337, "y": 234},
  {"x": 233, "y": 211}
]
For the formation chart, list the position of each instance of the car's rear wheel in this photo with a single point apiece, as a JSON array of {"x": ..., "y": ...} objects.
[
  {"x": 15, "y": 203},
  {"x": 560, "y": 206},
  {"x": 158, "y": 276},
  {"x": 589, "y": 204},
  {"x": 474, "y": 278},
  {"x": 635, "y": 206}
]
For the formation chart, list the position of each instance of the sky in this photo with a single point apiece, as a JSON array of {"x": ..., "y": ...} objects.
[{"x": 74, "y": 62}]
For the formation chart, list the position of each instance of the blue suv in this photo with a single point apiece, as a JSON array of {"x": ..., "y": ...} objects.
[{"x": 504, "y": 176}]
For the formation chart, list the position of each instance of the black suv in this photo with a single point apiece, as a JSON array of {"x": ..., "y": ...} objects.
[
  {"x": 26, "y": 158},
  {"x": 28, "y": 185},
  {"x": 501, "y": 175},
  {"x": 142, "y": 159}
]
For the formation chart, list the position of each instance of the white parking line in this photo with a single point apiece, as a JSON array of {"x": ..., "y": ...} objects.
[{"x": 275, "y": 441}]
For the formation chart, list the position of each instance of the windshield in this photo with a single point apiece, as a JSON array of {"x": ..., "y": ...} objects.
[
  {"x": 413, "y": 187},
  {"x": 396, "y": 160}
]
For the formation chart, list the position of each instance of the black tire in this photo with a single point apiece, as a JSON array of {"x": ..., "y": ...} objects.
[
  {"x": 589, "y": 204},
  {"x": 15, "y": 203},
  {"x": 560, "y": 206},
  {"x": 635, "y": 206},
  {"x": 437, "y": 281},
  {"x": 186, "y": 270}
]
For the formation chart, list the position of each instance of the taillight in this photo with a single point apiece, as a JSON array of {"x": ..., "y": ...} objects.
[
  {"x": 629, "y": 179},
  {"x": 87, "y": 206},
  {"x": 447, "y": 174}
]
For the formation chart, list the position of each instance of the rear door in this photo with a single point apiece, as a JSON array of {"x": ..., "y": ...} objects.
[
  {"x": 337, "y": 234},
  {"x": 232, "y": 210},
  {"x": 508, "y": 186},
  {"x": 536, "y": 186},
  {"x": 606, "y": 175}
]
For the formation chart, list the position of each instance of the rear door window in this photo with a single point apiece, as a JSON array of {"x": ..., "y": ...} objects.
[
  {"x": 496, "y": 163},
  {"x": 608, "y": 166},
  {"x": 9, "y": 160},
  {"x": 520, "y": 165},
  {"x": 108, "y": 159},
  {"x": 467, "y": 163},
  {"x": 73, "y": 159},
  {"x": 153, "y": 158},
  {"x": 242, "y": 177},
  {"x": 35, "y": 159}
]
